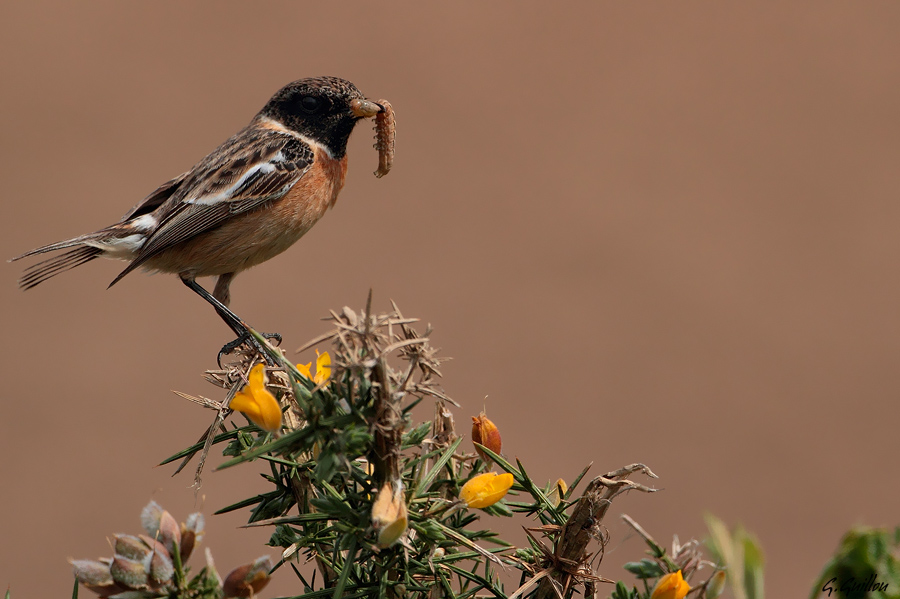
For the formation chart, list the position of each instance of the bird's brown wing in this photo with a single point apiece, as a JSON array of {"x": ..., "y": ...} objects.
[
  {"x": 252, "y": 168},
  {"x": 156, "y": 199}
]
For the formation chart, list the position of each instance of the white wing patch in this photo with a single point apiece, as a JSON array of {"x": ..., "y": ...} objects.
[
  {"x": 123, "y": 248},
  {"x": 222, "y": 196},
  {"x": 145, "y": 222}
]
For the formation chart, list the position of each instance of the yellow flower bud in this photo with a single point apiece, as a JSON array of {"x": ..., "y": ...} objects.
[
  {"x": 485, "y": 432},
  {"x": 486, "y": 489},
  {"x": 257, "y": 403},
  {"x": 389, "y": 515},
  {"x": 671, "y": 586}
]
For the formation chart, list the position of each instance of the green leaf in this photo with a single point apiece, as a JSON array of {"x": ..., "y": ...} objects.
[
  {"x": 199, "y": 445},
  {"x": 622, "y": 592},
  {"x": 863, "y": 553},
  {"x": 480, "y": 580},
  {"x": 500, "y": 461},
  {"x": 740, "y": 552},
  {"x": 539, "y": 496},
  {"x": 417, "y": 435},
  {"x": 274, "y": 446},
  {"x": 240, "y": 504},
  {"x": 326, "y": 466},
  {"x": 577, "y": 480},
  {"x": 522, "y": 478},
  {"x": 720, "y": 543},
  {"x": 349, "y": 561},
  {"x": 430, "y": 530},
  {"x": 412, "y": 404},
  {"x": 645, "y": 569},
  {"x": 298, "y": 519},
  {"x": 499, "y": 509},
  {"x": 429, "y": 477},
  {"x": 753, "y": 565}
]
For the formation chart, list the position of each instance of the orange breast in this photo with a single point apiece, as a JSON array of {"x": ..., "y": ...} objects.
[{"x": 249, "y": 239}]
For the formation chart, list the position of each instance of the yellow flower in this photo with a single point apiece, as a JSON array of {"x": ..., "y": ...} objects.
[
  {"x": 389, "y": 516},
  {"x": 257, "y": 403},
  {"x": 486, "y": 489},
  {"x": 671, "y": 586},
  {"x": 323, "y": 368}
]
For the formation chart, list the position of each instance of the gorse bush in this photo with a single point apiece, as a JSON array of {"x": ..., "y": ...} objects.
[{"x": 367, "y": 502}]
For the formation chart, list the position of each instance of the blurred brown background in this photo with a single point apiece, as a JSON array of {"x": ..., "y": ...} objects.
[{"x": 657, "y": 232}]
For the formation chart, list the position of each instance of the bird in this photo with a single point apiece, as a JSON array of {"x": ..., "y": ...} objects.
[{"x": 247, "y": 201}]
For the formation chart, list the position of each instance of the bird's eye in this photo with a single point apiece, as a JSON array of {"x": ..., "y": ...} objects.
[{"x": 311, "y": 104}]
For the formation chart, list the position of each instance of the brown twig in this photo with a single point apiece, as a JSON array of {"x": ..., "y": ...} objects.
[{"x": 571, "y": 560}]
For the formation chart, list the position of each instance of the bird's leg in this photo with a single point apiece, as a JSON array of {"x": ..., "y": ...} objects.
[
  {"x": 222, "y": 292},
  {"x": 231, "y": 319}
]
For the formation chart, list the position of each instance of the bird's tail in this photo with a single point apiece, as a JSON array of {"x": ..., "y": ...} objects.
[
  {"x": 61, "y": 245},
  {"x": 40, "y": 272}
]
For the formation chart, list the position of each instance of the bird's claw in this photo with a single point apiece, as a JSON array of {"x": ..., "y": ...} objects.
[
  {"x": 275, "y": 336},
  {"x": 248, "y": 339}
]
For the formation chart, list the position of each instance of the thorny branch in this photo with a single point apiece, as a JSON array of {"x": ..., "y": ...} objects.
[{"x": 570, "y": 560}]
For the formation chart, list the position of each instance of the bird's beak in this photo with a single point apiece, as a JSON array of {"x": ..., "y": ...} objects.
[{"x": 365, "y": 108}]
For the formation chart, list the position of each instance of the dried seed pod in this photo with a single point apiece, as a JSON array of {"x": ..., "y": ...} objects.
[
  {"x": 92, "y": 572},
  {"x": 142, "y": 565},
  {"x": 131, "y": 547},
  {"x": 248, "y": 580},
  {"x": 161, "y": 566},
  {"x": 169, "y": 533},
  {"x": 162, "y": 570},
  {"x": 160, "y": 525},
  {"x": 151, "y": 516},
  {"x": 191, "y": 533},
  {"x": 485, "y": 432},
  {"x": 95, "y": 576},
  {"x": 129, "y": 573},
  {"x": 385, "y": 133}
]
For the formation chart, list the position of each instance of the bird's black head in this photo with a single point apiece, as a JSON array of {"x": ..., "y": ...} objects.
[{"x": 322, "y": 108}]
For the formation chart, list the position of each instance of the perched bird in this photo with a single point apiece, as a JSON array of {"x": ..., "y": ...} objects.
[{"x": 247, "y": 201}]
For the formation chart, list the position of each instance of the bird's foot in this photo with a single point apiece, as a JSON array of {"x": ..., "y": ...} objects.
[{"x": 250, "y": 341}]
